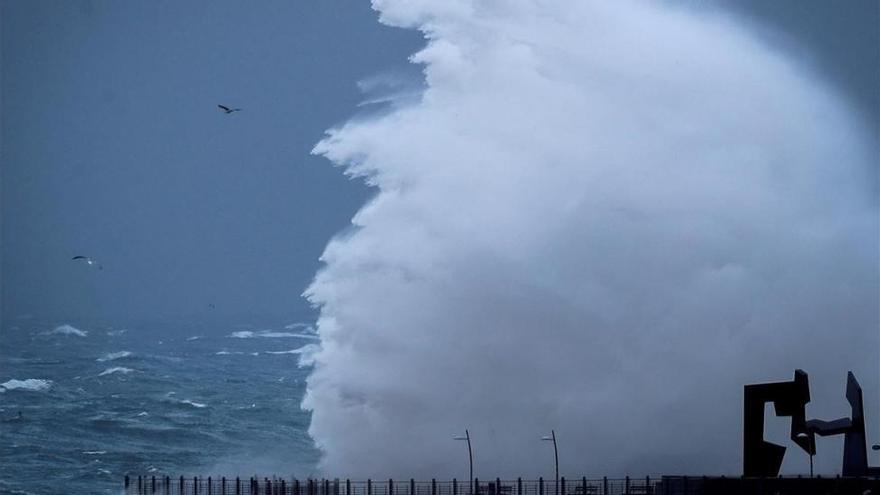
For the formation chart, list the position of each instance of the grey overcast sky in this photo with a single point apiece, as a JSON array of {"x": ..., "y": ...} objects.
[{"x": 112, "y": 145}]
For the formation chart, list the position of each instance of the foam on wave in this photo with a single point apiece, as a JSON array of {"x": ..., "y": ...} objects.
[
  {"x": 113, "y": 356},
  {"x": 116, "y": 369},
  {"x": 30, "y": 384},
  {"x": 247, "y": 334},
  {"x": 69, "y": 330}
]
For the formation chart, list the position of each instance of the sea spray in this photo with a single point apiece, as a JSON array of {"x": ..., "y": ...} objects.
[{"x": 602, "y": 218}]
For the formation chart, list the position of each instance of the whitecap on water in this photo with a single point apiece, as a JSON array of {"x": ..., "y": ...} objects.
[
  {"x": 113, "y": 356},
  {"x": 305, "y": 326},
  {"x": 69, "y": 330},
  {"x": 30, "y": 384},
  {"x": 306, "y": 354},
  {"x": 299, "y": 350},
  {"x": 116, "y": 369},
  {"x": 193, "y": 403},
  {"x": 247, "y": 334}
]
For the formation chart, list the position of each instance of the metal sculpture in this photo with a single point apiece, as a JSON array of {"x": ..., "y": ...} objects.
[
  {"x": 855, "y": 446},
  {"x": 763, "y": 459},
  {"x": 760, "y": 457}
]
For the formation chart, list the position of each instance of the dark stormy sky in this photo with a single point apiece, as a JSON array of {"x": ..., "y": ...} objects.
[{"x": 112, "y": 145}]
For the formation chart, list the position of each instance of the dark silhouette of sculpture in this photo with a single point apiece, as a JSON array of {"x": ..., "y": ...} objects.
[
  {"x": 763, "y": 459},
  {"x": 855, "y": 446}
]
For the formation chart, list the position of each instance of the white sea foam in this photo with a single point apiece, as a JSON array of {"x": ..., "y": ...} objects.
[
  {"x": 69, "y": 330},
  {"x": 292, "y": 351},
  {"x": 198, "y": 405},
  {"x": 306, "y": 354},
  {"x": 30, "y": 384},
  {"x": 113, "y": 356},
  {"x": 194, "y": 337},
  {"x": 94, "y": 452},
  {"x": 227, "y": 353},
  {"x": 270, "y": 334},
  {"x": 305, "y": 326},
  {"x": 297, "y": 335},
  {"x": 116, "y": 369}
]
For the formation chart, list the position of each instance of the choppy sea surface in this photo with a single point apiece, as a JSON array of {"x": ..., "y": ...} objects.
[{"x": 82, "y": 404}]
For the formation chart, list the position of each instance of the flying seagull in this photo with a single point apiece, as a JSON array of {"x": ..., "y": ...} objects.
[
  {"x": 88, "y": 260},
  {"x": 227, "y": 109}
]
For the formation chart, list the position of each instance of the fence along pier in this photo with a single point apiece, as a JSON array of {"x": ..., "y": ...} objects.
[
  {"x": 166, "y": 485},
  {"x": 665, "y": 485}
]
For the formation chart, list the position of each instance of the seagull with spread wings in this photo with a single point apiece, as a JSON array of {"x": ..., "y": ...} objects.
[{"x": 227, "y": 109}]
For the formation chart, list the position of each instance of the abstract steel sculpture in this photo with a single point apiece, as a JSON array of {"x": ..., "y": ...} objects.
[
  {"x": 855, "y": 446},
  {"x": 763, "y": 459}
]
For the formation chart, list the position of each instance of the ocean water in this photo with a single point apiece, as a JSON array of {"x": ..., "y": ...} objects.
[{"x": 84, "y": 403}]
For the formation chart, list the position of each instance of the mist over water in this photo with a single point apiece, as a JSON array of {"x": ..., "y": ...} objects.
[{"x": 602, "y": 218}]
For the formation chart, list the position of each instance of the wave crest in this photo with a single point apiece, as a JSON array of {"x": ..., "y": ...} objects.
[
  {"x": 270, "y": 334},
  {"x": 30, "y": 384},
  {"x": 116, "y": 369},
  {"x": 113, "y": 356},
  {"x": 69, "y": 330}
]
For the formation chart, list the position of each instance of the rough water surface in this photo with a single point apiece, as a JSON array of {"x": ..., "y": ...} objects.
[{"x": 80, "y": 409}]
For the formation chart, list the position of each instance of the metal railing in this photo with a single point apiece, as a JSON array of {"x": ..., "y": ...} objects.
[
  {"x": 666, "y": 485},
  {"x": 166, "y": 485}
]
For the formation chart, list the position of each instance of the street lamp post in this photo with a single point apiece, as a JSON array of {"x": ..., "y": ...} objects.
[
  {"x": 812, "y": 449},
  {"x": 552, "y": 437},
  {"x": 467, "y": 436}
]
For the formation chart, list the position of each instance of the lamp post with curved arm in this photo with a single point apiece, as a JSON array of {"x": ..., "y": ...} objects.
[
  {"x": 812, "y": 450},
  {"x": 467, "y": 436},
  {"x": 552, "y": 438}
]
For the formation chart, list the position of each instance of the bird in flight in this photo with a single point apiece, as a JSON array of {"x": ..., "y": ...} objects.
[
  {"x": 227, "y": 109},
  {"x": 86, "y": 259}
]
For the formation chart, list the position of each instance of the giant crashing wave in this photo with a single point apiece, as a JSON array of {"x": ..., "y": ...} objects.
[{"x": 602, "y": 218}]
